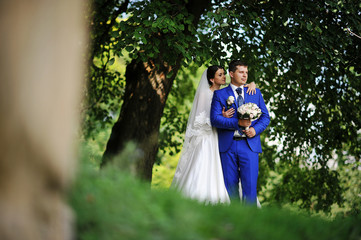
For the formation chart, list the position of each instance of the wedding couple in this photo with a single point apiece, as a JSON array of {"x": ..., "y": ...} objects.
[{"x": 215, "y": 158}]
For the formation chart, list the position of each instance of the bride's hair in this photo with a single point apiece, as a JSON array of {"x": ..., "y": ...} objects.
[{"x": 211, "y": 72}]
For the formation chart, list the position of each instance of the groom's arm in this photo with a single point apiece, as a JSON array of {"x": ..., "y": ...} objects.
[
  {"x": 217, "y": 119},
  {"x": 264, "y": 119}
]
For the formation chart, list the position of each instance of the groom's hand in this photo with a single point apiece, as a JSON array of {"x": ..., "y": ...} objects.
[
  {"x": 250, "y": 133},
  {"x": 244, "y": 122},
  {"x": 229, "y": 113}
]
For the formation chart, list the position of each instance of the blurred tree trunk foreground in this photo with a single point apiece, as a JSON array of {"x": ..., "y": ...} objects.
[{"x": 41, "y": 48}]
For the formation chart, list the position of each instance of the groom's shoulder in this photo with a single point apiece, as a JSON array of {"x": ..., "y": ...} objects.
[
  {"x": 219, "y": 92},
  {"x": 222, "y": 90},
  {"x": 258, "y": 91}
]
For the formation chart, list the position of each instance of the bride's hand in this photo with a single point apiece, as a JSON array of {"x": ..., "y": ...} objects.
[
  {"x": 251, "y": 88},
  {"x": 229, "y": 113}
]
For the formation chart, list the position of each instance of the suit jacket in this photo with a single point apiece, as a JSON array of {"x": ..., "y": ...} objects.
[{"x": 227, "y": 126}]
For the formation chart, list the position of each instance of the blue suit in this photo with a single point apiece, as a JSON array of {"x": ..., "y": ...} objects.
[{"x": 239, "y": 157}]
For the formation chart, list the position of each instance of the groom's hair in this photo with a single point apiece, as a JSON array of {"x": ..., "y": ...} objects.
[
  {"x": 234, "y": 63},
  {"x": 211, "y": 72}
]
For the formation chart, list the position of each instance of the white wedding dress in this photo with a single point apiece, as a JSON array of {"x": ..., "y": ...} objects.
[{"x": 199, "y": 172}]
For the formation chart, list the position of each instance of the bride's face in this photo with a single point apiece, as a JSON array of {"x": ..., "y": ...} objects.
[{"x": 219, "y": 78}]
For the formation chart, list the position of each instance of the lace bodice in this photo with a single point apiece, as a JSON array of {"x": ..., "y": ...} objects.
[{"x": 202, "y": 126}]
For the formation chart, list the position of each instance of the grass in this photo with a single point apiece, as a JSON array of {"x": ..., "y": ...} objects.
[{"x": 112, "y": 204}]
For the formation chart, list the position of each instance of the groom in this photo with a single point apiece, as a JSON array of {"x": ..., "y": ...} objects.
[{"x": 239, "y": 155}]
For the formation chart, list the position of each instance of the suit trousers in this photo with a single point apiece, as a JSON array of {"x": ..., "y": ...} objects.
[{"x": 240, "y": 163}]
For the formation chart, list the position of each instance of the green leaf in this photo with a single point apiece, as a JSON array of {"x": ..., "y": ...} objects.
[
  {"x": 115, "y": 34},
  {"x": 224, "y": 25},
  {"x": 129, "y": 48},
  {"x": 293, "y": 49},
  {"x": 144, "y": 40},
  {"x": 111, "y": 61},
  {"x": 318, "y": 29}
]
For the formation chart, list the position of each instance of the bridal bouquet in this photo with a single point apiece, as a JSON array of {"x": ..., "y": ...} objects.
[{"x": 249, "y": 111}]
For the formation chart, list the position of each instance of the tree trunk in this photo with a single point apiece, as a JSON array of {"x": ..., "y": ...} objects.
[
  {"x": 41, "y": 71},
  {"x": 145, "y": 96}
]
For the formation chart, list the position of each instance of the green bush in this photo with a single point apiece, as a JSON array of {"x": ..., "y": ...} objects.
[{"x": 111, "y": 204}]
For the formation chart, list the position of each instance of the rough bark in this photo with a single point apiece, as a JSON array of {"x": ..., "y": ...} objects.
[
  {"x": 41, "y": 55},
  {"x": 146, "y": 93}
]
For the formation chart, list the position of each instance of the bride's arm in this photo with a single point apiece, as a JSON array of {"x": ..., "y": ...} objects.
[{"x": 251, "y": 88}]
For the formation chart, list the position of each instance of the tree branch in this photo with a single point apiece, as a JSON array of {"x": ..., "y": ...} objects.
[{"x": 352, "y": 33}]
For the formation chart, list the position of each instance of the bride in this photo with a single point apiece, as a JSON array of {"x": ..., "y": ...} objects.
[{"x": 199, "y": 172}]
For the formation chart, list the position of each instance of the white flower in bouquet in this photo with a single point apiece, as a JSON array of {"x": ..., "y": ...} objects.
[
  {"x": 230, "y": 101},
  {"x": 249, "y": 111}
]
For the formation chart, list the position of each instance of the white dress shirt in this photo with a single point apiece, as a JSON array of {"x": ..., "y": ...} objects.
[{"x": 234, "y": 87}]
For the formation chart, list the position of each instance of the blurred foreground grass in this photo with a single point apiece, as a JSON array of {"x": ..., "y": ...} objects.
[{"x": 112, "y": 204}]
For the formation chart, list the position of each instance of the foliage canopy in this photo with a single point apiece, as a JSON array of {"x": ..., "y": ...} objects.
[{"x": 299, "y": 52}]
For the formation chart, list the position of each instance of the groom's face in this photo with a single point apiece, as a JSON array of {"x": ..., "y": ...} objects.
[{"x": 239, "y": 76}]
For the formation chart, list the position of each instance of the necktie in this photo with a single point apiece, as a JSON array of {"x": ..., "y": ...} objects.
[
  {"x": 240, "y": 102},
  {"x": 239, "y": 98}
]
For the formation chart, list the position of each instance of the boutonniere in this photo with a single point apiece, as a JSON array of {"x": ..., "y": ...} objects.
[{"x": 230, "y": 101}]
